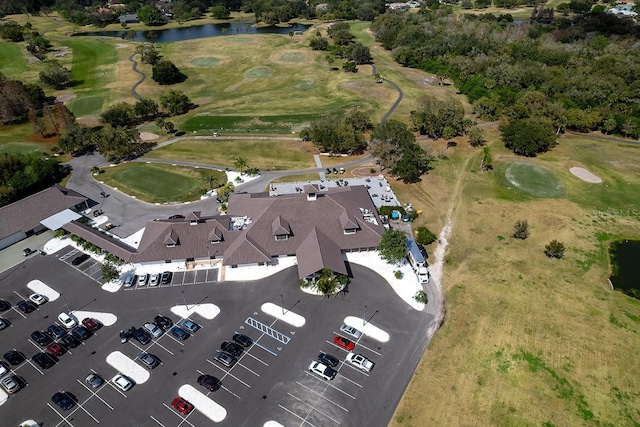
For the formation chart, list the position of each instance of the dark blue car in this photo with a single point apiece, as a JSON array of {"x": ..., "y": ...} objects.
[
  {"x": 179, "y": 333},
  {"x": 64, "y": 400}
]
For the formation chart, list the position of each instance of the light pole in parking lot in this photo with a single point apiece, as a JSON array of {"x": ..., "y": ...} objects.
[
  {"x": 364, "y": 316},
  {"x": 65, "y": 303},
  {"x": 184, "y": 297},
  {"x": 282, "y": 301}
]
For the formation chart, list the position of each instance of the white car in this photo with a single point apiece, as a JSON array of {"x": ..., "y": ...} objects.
[
  {"x": 142, "y": 279},
  {"x": 323, "y": 370},
  {"x": 350, "y": 330},
  {"x": 359, "y": 361},
  {"x": 3, "y": 369},
  {"x": 38, "y": 299},
  {"x": 153, "y": 329},
  {"x": 67, "y": 320},
  {"x": 122, "y": 383},
  {"x": 154, "y": 280}
]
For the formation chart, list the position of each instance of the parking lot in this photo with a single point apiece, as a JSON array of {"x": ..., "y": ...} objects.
[
  {"x": 269, "y": 381},
  {"x": 179, "y": 278},
  {"x": 90, "y": 267}
]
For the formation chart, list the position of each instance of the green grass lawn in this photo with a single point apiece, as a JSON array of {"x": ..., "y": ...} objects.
[
  {"x": 158, "y": 183},
  {"x": 261, "y": 124},
  {"x": 265, "y": 155},
  {"x": 12, "y": 62},
  {"x": 85, "y": 106},
  {"x": 533, "y": 180}
]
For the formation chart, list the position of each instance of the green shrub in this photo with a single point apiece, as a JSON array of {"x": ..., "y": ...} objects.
[
  {"x": 398, "y": 274},
  {"x": 421, "y": 296},
  {"x": 60, "y": 233},
  {"x": 424, "y": 236},
  {"x": 386, "y": 210}
]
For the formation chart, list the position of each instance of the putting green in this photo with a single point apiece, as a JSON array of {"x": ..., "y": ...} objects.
[
  {"x": 206, "y": 62},
  {"x": 258, "y": 73},
  {"x": 293, "y": 57},
  {"x": 533, "y": 180},
  {"x": 160, "y": 183},
  {"x": 86, "y": 106}
]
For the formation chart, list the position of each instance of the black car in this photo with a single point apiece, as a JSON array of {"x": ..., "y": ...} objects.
[
  {"x": 3, "y": 324},
  {"x": 4, "y": 306},
  {"x": 328, "y": 171},
  {"x": 27, "y": 252},
  {"x": 243, "y": 340},
  {"x": 44, "y": 360},
  {"x": 327, "y": 359},
  {"x": 123, "y": 337},
  {"x": 64, "y": 400},
  {"x": 335, "y": 171},
  {"x": 82, "y": 333},
  {"x": 70, "y": 341},
  {"x": 209, "y": 382},
  {"x": 14, "y": 357},
  {"x": 41, "y": 338},
  {"x": 80, "y": 259},
  {"x": 56, "y": 332},
  {"x": 26, "y": 306},
  {"x": 139, "y": 335},
  {"x": 232, "y": 348},
  {"x": 423, "y": 251},
  {"x": 148, "y": 360},
  {"x": 163, "y": 322},
  {"x": 179, "y": 333},
  {"x": 166, "y": 277}
]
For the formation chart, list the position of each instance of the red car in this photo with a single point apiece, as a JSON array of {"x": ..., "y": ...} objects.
[
  {"x": 91, "y": 324},
  {"x": 55, "y": 349},
  {"x": 182, "y": 405},
  {"x": 343, "y": 342}
]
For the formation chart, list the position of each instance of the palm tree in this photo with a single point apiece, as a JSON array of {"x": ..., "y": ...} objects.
[
  {"x": 211, "y": 181},
  {"x": 240, "y": 163}
]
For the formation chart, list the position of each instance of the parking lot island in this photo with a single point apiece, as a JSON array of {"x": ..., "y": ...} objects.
[
  {"x": 367, "y": 328},
  {"x": 128, "y": 367},
  {"x": 43, "y": 289},
  {"x": 208, "y": 311},
  {"x": 281, "y": 313},
  {"x": 202, "y": 403}
]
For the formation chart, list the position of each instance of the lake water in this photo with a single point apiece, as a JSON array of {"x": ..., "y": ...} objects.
[
  {"x": 199, "y": 32},
  {"x": 626, "y": 255}
]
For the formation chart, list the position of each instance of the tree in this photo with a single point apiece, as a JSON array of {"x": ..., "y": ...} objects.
[
  {"x": 393, "y": 246},
  {"x": 432, "y": 116},
  {"x": 240, "y": 163},
  {"x": 358, "y": 120},
  {"x": 359, "y": 54},
  {"x": 148, "y": 54},
  {"x": 487, "y": 159},
  {"x": 145, "y": 109},
  {"x": 166, "y": 73},
  {"x": 424, "y": 236},
  {"x": 334, "y": 135},
  {"x": 56, "y": 76},
  {"x": 175, "y": 102},
  {"x": 521, "y": 229},
  {"x": 75, "y": 139},
  {"x": 169, "y": 127},
  {"x": 220, "y": 12},
  {"x": 554, "y": 249},
  {"x": 528, "y": 137},
  {"x": 11, "y": 30},
  {"x": 330, "y": 59},
  {"x": 319, "y": 43},
  {"x": 120, "y": 114},
  {"x": 160, "y": 123},
  {"x": 109, "y": 272},
  {"x": 116, "y": 142},
  {"x": 150, "y": 15},
  {"x": 476, "y": 137},
  {"x": 350, "y": 67}
]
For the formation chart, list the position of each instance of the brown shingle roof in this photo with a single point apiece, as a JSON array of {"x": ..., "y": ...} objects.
[
  {"x": 193, "y": 216},
  {"x": 26, "y": 214},
  {"x": 103, "y": 241},
  {"x": 171, "y": 238},
  {"x": 280, "y": 226},
  {"x": 316, "y": 252},
  {"x": 244, "y": 251}
]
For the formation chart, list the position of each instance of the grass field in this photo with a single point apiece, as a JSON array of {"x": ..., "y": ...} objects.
[
  {"x": 532, "y": 179},
  {"x": 265, "y": 155},
  {"x": 158, "y": 183}
]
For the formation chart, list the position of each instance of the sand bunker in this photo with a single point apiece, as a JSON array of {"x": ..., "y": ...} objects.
[
  {"x": 585, "y": 175},
  {"x": 65, "y": 98},
  {"x": 148, "y": 136},
  {"x": 122, "y": 46}
]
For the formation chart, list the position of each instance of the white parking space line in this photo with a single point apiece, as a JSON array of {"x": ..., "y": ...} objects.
[
  {"x": 94, "y": 394},
  {"x": 313, "y": 408},
  {"x": 330, "y": 385},
  {"x": 64, "y": 419},
  {"x": 253, "y": 372},
  {"x": 228, "y": 373},
  {"x": 35, "y": 345},
  {"x": 263, "y": 347},
  {"x": 115, "y": 388},
  {"x": 159, "y": 423},
  {"x": 304, "y": 421},
  {"x": 157, "y": 342},
  {"x": 88, "y": 413},
  {"x": 135, "y": 345},
  {"x": 348, "y": 365},
  {"x": 21, "y": 297},
  {"x": 173, "y": 338},
  {"x": 32, "y": 365},
  {"x": 351, "y": 381},
  {"x": 184, "y": 419},
  {"x": 19, "y": 312},
  {"x": 369, "y": 349},
  {"x": 221, "y": 386},
  {"x": 255, "y": 358},
  {"x": 322, "y": 396}
]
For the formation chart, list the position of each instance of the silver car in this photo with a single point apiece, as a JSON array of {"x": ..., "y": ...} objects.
[
  {"x": 153, "y": 329},
  {"x": 350, "y": 330},
  {"x": 122, "y": 382},
  {"x": 9, "y": 384},
  {"x": 225, "y": 358},
  {"x": 143, "y": 279},
  {"x": 154, "y": 280}
]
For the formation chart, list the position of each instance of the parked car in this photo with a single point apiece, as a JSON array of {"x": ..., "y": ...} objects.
[
  {"x": 3, "y": 369},
  {"x": 94, "y": 380},
  {"x": 70, "y": 341},
  {"x": 209, "y": 382},
  {"x": 79, "y": 260},
  {"x": 38, "y": 299},
  {"x": 143, "y": 279},
  {"x": 123, "y": 337},
  {"x": 14, "y": 357},
  {"x": 243, "y": 340},
  {"x": 67, "y": 320},
  {"x": 10, "y": 384},
  {"x": 163, "y": 322},
  {"x": 189, "y": 326},
  {"x": 153, "y": 329},
  {"x": 127, "y": 282},
  {"x": 232, "y": 348},
  {"x": 176, "y": 217},
  {"x": 44, "y": 360},
  {"x": 181, "y": 405},
  {"x": 154, "y": 280},
  {"x": 343, "y": 342},
  {"x": 179, "y": 333},
  {"x": 81, "y": 333},
  {"x": 225, "y": 359},
  {"x": 139, "y": 335},
  {"x": 350, "y": 330},
  {"x": 148, "y": 360},
  {"x": 327, "y": 359},
  {"x": 64, "y": 400},
  {"x": 41, "y": 338},
  {"x": 4, "y": 306},
  {"x": 122, "y": 382},
  {"x": 26, "y": 306},
  {"x": 166, "y": 277},
  {"x": 3, "y": 324},
  {"x": 335, "y": 171},
  {"x": 56, "y": 332},
  {"x": 27, "y": 252},
  {"x": 323, "y": 370},
  {"x": 91, "y": 324},
  {"x": 359, "y": 361},
  {"x": 55, "y": 349}
]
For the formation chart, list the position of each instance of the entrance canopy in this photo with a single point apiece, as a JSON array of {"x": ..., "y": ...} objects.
[{"x": 55, "y": 222}]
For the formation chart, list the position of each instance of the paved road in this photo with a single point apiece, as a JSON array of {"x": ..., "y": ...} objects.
[{"x": 142, "y": 78}]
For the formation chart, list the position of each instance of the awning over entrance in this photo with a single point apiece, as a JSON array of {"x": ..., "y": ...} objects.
[{"x": 54, "y": 222}]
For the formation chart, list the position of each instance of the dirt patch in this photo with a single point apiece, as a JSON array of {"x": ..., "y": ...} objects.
[
  {"x": 65, "y": 98},
  {"x": 122, "y": 46},
  {"x": 61, "y": 51},
  {"x": 148, "y": 136},
  {"x": 585, "y": 175},
  {"x": 31, "y": 59}
]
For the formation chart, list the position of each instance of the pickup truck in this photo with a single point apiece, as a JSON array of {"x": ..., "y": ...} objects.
[{"x": 359, "y": 361}]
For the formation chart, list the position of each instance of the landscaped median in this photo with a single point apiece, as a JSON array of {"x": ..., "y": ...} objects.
[{"x": 160, "y": 183}]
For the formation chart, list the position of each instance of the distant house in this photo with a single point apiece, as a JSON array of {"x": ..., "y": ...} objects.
[
  {"x": 623, "y": 10},
  {"x": 398, "y": 6},
  {"x": 129, "y": 18},
  {"x": 322, "y": 7}
]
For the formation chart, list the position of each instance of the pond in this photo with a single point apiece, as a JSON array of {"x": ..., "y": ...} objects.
[
  {"x": 625, "y": 257},
  {"x": 199, "y": 32}
]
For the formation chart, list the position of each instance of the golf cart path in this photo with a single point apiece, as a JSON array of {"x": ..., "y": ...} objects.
[{"x": 135, "y": 94}]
